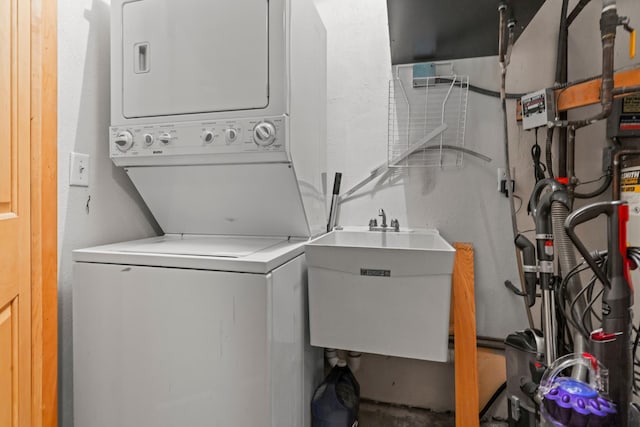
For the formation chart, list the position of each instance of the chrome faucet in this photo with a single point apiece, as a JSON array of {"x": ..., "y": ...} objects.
[
  {"x": 373, "y": 223},
  {"x": 384, "y": 218}
]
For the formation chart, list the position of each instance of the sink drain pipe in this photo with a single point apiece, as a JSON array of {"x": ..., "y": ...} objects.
[{"x": 333, "y": 357}]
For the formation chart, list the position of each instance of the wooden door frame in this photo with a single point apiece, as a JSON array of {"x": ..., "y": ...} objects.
[{"x": 44, "y": 195}]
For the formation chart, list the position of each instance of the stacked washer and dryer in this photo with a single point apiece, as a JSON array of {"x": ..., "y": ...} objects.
[{"x": 218, "y": 112}]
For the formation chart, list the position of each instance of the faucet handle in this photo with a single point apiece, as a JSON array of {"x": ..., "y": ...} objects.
[
  {"x": 395, "y": 224},
  {"x": 382, "y": 214},
  {"x": 373, "y": 223}
]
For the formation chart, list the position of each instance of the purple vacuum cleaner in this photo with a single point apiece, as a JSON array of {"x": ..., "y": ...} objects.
[{"x": 573, "y": 403}]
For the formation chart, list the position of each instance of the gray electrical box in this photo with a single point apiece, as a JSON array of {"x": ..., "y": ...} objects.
[{"x": 538, "y": 108}]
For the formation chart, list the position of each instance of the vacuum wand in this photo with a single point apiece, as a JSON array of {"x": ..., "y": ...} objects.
[
  {"x": 541, "y": 210},
  {"x": 612, "y": 344}
]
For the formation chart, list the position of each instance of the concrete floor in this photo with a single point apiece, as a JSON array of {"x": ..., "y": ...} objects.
[
  {"x": 374, "y": 414},
  {"x": 380, "y": 415}
]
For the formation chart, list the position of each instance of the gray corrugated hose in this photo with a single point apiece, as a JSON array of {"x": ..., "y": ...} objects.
[{"x": 567, "y": 260}]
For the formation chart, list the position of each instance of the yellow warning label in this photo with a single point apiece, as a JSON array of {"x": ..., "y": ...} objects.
[
  {"x": 631, "y": 104},
  {"x": 631, "y": 189}
]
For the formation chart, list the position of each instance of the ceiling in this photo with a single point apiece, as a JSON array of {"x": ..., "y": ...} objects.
[{"x": 436, "y": 30}]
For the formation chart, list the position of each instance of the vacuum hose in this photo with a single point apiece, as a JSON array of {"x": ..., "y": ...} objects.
[{"x": 567, "y": 260}]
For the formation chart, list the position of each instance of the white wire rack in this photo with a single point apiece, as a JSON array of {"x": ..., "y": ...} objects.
[{"x": 416, "y": 108}]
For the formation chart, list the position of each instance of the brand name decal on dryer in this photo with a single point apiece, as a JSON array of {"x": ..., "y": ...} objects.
[
  {"x": 157, "y": 151},
  {"x": 374, "y": 272}
]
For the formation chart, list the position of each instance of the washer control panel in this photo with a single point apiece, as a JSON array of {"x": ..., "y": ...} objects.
[{"x": 257, "y": 135}]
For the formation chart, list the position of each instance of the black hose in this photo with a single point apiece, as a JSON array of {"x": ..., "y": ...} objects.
[
  {"x": 493, "y": 399},
  {"x": 576, "y": 11},
  {"x": 493, "y": 93},
  {"x": 598, "y": 191},
  {"x": 549, "y": 153},
  {"x": 561, "y": 48},
  {"x": 481, "y": 90},
  {"x": 562, "y": 60},
  {"x": 538, "y": 166},
  {"x": 556, "y": 86}
]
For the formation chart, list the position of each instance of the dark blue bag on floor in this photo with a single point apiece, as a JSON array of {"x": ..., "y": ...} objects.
[{"x": 336, "y": 401}]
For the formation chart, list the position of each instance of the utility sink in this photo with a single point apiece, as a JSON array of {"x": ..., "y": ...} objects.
[{"x": 381, "y": 292}]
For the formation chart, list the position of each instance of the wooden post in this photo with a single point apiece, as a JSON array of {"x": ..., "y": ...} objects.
[{"x": 464, "y": 326}]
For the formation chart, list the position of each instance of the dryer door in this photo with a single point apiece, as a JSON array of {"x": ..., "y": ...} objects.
[{"x": 194, "y": 56}]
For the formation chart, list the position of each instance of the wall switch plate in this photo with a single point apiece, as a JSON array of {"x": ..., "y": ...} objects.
[{"x": 79, "y": 170}]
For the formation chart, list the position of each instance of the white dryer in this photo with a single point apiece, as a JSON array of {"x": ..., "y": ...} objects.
[
  {"x": 218, "y": 116},
  {"x": 193, "y": 331}
]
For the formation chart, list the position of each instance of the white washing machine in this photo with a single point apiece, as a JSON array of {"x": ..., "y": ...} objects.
[
  {"x": 193, "y": 331},
  {"x": 218, "y": 112}
]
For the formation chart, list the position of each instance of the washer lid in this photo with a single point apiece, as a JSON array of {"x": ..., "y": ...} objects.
[
  {"x": 212, "y": 246},
  {"x": 202, "y": 252}
]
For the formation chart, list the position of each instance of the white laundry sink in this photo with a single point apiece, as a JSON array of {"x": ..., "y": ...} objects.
[{"x": 381, "y": 292}]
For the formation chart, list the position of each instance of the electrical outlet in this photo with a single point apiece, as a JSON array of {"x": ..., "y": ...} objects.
[
  {"x": 502, "y": 176},
  {"x": 502, "y": 180},
  {"x": 79, "y": 170}
]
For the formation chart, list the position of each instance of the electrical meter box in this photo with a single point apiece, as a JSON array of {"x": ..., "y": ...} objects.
[{"x": 538, "y": 108}]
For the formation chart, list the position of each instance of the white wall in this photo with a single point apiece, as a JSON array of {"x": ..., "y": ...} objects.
[
  {"x": 116, "y": 212},
  {"x": 462, "y": 204}
]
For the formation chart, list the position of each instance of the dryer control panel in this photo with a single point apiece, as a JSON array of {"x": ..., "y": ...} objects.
[{"x": 232, "y": 139}]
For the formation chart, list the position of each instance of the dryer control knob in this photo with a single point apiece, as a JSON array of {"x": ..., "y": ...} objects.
[
  {"x": 148, "y": 139},
  {"x": 165, "y": 138},
  {"x": 207, "y": 137},
  {"x": 230, "y": 135},
  {"x": 124, "y": 141},
  {"x": 264, "y": 134}
]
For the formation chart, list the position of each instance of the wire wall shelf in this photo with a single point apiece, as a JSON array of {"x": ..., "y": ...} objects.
[{"x": 419, "y": 110}]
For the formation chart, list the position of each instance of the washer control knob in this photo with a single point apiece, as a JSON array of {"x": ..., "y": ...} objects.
[
  {"x": 230, "y": 135},
  {"x": 264, "y": 134},
  {"x": 165, "y": 138},
  {"x": 207, "y": 137},
  {"x": 124, "y": 141},
  {"x": 148, "y": 139}
]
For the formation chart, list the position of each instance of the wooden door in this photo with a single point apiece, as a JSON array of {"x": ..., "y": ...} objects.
[
  {"x": 15, "y": 214},
  {"x": 27, "y": 218}
]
